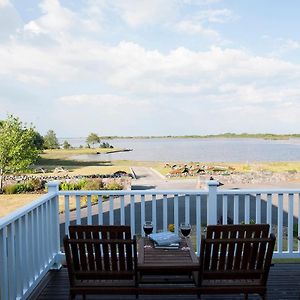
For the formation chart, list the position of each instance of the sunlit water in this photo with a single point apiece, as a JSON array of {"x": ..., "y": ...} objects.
[{"x": 204, "y": 150}]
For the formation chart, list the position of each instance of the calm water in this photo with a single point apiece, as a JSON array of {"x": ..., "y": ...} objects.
[{"x": 204, "y": 150}]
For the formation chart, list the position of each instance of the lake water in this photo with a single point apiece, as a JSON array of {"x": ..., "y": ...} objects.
[{"x": 203, "y": 150}]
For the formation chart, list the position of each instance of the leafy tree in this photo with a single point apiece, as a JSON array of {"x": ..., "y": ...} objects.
[
  {"x": 17, "y": 148},
  {"x": 66, "y": 145},
  {"x": 50, "y": 140},
  {"x": 38, "y": 140},
  {"x": 93, "y": 139}
]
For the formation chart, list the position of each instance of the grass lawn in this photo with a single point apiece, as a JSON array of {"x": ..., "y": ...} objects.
[{"x": 10, "y": 203}]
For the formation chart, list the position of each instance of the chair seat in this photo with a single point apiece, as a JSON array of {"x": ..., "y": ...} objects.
[
  {"x": 104, "y": 283},
  {"x": 231, "y": 283}
]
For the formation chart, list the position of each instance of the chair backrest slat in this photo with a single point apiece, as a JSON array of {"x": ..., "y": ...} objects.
[
  {"x": 236, "y": 251},
  {"x": 101, "y": 248},
  {"x": 215, "y": 252},
  {"x": 231, "y": 250}
]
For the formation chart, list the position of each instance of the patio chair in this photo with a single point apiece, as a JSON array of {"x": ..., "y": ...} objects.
[
  {"x": 101, "y": 260},
  {"x": 235, "y": 259}
]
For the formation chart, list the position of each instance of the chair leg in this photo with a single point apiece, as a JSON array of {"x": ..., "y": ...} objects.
[
  {"x": 246, "y": 296},
  {"x": 71, "y": 296},
  {"x": 83, "y": 297},
  {"x": 263, "y": 296}
]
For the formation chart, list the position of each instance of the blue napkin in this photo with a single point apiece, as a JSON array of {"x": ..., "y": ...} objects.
[{"x": 164, "y": 238}]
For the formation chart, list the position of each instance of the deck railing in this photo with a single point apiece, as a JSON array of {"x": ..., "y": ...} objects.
[{"x": 30, "y": 239}]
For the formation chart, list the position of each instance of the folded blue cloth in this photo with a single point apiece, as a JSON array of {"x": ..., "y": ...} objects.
[{"x": 164, "y": 238}]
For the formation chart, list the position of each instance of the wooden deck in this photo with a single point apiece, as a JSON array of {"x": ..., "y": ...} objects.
[{"x": 283, "y": 284}]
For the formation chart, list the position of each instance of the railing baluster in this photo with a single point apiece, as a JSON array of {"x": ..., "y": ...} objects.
[
  {"x": 142, "y": 214},
  {"x": 290, "y": 222},
  {"x": 247, "y": 209},
  {"x": 258, "y": 209},
  {"x": 26, "y": 251},
  {"x": 132, "y": 214},
  {"x": 176, "y": 222},
  {"x": 67, "y": 214},
  {"x": 11, "y": 260},
  {"x": 280, "y": 222},
  {"x": 4, "y": 290},
  {"x": 19, "y": 255},
  {"x": 198, "y": 223},
  {"x": 89, "y": 210},
  {"x": 187, "y": 209},
  {"x": 154, "y": 213},
  {"x": 298, "y": 216},
  {"x": 224, "y": 209},
  {"x": 31, "y": 246},
  {"x": 100, "y": 210},
  {"x": 78, "y": 208},
  {"x": 236, "y": 209},
  {"x": 165, "y": 213},
  {"x": 111, "y": 210},
  {"x": 38, "y": 242},
  {"x": 122, "y": 212},
  {"x": 269, "y": 210}
]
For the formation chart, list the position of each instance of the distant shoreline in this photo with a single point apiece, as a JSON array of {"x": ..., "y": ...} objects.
[{"x": 266, "y": 136}]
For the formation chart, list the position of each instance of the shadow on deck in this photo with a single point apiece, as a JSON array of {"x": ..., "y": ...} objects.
[{"x": 283, "y": 284}]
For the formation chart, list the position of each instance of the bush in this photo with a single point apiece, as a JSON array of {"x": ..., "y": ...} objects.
[
  {"x": 37, "y": 184},
  {"x": 72, "y": 186},
  {"x": 19, "y": 188},
  {"x": 10, "y": 189},
  {"x": 114, "y": 186},
  {"x": 93, "y": 184},
  {"x": 25, "y": 187}
]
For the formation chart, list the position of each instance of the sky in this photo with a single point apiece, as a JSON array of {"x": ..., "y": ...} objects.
[{"x": 151, "y": 67}]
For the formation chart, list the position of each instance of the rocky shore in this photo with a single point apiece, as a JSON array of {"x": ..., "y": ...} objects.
[{"x": 255, "y": 178}]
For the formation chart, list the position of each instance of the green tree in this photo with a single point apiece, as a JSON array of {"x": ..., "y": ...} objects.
[
  {"x": 17, "y": 148},
  {"x": 93, "y": 139},
  {"x": 38, "y": 140},
  {"x": 66, "y": 145},
  {"x": 50, "y": 140}
]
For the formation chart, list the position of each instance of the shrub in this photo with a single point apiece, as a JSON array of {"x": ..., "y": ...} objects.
[
  {"x": 72, "y": 186},
  {"x": 93, "y": 184},
  {"x": 24, "y": 187},
  {"x": 10, "y": 189},
  {"x": 37, "y": 184},
  {"x": 114, "y": 186}
]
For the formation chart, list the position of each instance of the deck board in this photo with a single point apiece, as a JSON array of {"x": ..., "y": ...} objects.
[{"x": 283, "y": 284}]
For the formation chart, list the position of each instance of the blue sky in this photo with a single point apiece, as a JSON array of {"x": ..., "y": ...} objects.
[{"x": 155, "y": 67}]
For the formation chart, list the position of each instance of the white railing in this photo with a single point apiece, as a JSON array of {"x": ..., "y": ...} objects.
[
  {"x": 29, "y": 244},
  {"x": 31, "y": 238}
]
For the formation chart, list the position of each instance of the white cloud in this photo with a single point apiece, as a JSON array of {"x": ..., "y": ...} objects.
[
  {"x": 215, "y": 15},
  {"x": 138, "y": 12},
  {"x": 195, "y": 27}
]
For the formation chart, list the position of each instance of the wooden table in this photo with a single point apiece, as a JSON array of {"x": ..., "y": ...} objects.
[
  {"x": 156, "y": 261},
  {"x": 169, "y": 271}
]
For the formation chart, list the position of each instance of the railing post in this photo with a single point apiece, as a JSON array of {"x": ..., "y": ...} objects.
[
  {"x": 212, "y": 202},
  {"x": 53, "y": 188}
]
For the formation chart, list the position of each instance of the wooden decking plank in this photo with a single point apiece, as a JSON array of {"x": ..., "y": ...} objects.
[{"x": 283, "y": 283}]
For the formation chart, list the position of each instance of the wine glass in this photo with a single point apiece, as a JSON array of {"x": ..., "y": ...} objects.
[
  {"x": 148, "y": 228},
  {"x": 185, "y": 229}
]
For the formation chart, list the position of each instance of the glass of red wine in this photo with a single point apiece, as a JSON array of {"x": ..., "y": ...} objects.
[
  {"x": 148, "y": 228},
  {"x": 185, "y": 229}
]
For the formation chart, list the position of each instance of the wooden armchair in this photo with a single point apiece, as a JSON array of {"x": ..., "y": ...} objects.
[
  {"x": 235, "y": 259},
  {"x": 101, "y": 260}
]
